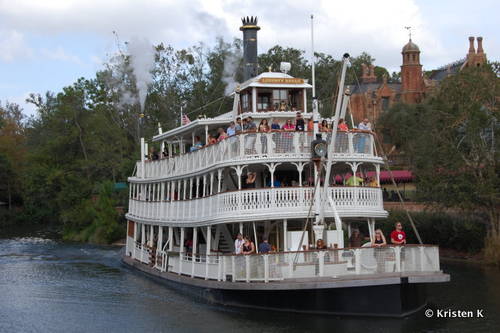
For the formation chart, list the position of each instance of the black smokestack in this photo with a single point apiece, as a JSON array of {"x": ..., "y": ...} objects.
[{"x": 249, "y": 29}]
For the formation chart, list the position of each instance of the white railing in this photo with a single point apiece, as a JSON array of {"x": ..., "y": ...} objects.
[
  {"x": 251, "y": 146},
  {"x": 266, "y": 201},
  {"x": 335, "y": 263}
]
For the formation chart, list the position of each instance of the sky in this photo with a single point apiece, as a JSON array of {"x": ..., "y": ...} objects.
[{"x": 47, "y": 45}]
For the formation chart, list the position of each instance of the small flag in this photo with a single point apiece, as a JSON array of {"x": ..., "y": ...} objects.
[{"x": 185, "y": 119}]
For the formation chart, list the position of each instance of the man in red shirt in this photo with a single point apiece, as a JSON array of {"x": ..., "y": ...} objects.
[{"x": 398, "y": 236}]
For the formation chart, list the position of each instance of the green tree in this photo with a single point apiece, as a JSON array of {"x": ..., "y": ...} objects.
[{"x": 451, "y": 141}]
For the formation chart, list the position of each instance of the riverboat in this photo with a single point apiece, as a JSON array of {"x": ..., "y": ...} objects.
[{"x": 187, "y": 207}]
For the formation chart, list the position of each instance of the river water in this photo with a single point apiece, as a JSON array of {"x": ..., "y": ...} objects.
[{"x": 49, "y": 286}]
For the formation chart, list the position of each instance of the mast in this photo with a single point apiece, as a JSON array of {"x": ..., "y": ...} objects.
[
  {"x": 317, "y": 227},
  {"x": 331, "y": 144}
]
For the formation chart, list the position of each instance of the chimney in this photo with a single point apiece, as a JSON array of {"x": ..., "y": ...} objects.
[
  {"x": 480, "y": 45},
  {"x": 249, "y": 29},
  {"x": 471, "y": 45}
]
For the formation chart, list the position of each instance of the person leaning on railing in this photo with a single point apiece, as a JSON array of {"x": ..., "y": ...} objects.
[{"x": 248, "y": 246}]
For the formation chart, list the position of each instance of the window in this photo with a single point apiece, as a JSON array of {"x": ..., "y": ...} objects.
[
  {"x": 263, "y": 102},
  {"x": 385, "y": 103},
  {"x": 280, "y": 99},
  {"x": 244, "y": 103}
]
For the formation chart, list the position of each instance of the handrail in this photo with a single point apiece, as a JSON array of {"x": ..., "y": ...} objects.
[{"x": 327, "y": 249}]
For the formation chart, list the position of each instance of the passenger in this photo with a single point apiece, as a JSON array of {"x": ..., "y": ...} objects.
[
  {"x": 238, "y": 244},
  {"x": 250, "y": 139},
  {"x": 310, "y": 125},
  {"x": 320, "y": 245},
  {"x": 222, "y": 134},
  {"x": 197, "y": 144},
  {"x": 248, "y": 246},
  {"x": 265, "y": 247},
  {"x": 299, "y": 122},
  {"x": 165, "y": 152},
  {"x": 385, "y": 194},
  {"x": 356, "y": 239},
  {"x": 251, "y": 125},
  {"x": 231, "y": 130},
  {"x": 287, "y": 138},
  {"x": 323, "y": 127},
  {"x": 250, "y": 181},
  {"x": 354, "y": 181},
  {"x": 153, "y": 155},
  {"x": 189, "y": 246},
  {"x": 238, "y": 127},
  {"x": 263, "y": 128},
  {"x": 379, "y": 239},
  {"x": 342, "y": 126},
  {"x": 211, "y": 140},
  {"x": 275, "y": 125},
  {"x": 372, "y": 182},
  {"x": 398, "y": 236},
  {"x": 365, "y": 125}
]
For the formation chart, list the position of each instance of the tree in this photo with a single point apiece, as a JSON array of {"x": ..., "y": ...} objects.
[{"x": 451, "y": 141}]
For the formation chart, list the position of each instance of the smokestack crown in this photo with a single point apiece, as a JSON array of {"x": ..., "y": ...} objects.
[{"x": 249, "y": 22}]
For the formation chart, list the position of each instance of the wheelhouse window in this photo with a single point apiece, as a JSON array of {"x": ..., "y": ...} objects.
[{"x": 245, "y": 102}]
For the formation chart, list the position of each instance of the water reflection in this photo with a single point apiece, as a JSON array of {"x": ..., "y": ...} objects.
[{"x": 48, "y": 286}]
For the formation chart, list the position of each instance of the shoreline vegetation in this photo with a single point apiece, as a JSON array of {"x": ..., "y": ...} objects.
[{"x": 60, "y": 167}]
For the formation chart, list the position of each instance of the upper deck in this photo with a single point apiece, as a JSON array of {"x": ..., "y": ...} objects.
[{"x": 252, "y": 148}]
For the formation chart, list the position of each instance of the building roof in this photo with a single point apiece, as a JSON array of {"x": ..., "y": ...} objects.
[
  {"x": 365, "y": 87},
  {"x": 410, "y": 47},
  {"x": 442, "y": 72},
  {"x": 287, "y": 81}
]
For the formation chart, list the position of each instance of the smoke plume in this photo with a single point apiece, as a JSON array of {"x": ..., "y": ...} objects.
[
  {"x": 142, "y": 58},
  {"x": 231, "y": 63}
]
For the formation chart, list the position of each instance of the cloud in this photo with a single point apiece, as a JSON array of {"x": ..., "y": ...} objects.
[
  {"x": 60, "y": 54},
  {"x": 13, "y": 46}
]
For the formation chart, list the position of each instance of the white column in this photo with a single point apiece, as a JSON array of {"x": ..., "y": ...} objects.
[
  {"x": 185, "y": 189},
  {"x": 254, "y": 99},
  {"x": 285, "y": 241},
  {"x": 171, "y": 238},
  {"x": 143, "y": 153},
  {"x": 377, "y": 171},
  {"x": 197, "y": 187},
  {"x": 151, "y": 235},
  {"x": 206, "y": 134},
  {"x": 190, "y": 188},
  {"x": 209, "y": 240},
  {"x": 204, "y": 185},
  {"x": 212, "y": 183},
  {"x": 219, "y": 175},
  {"x": 241, "y": 228},
  {"x": 134, "y": 254}
]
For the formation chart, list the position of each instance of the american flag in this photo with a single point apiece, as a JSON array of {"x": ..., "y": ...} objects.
[{"x": 185, "y": 119}]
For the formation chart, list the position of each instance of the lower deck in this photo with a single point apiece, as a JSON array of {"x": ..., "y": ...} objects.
[{"x": 402, "y": 293}]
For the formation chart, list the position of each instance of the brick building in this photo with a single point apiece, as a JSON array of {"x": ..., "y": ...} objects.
[{"x": 371, "y": 97}]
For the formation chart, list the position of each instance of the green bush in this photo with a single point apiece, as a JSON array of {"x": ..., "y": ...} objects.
[{"x": 95, "y": 220}]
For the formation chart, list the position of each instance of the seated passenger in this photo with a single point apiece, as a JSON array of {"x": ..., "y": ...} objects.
[
  {"x": 222, "y": 134},
  {"x": 153, "y": 155},
  {"x": 197, "y": 144},
  {"x": 265, "y": 247},
  {"x": 248, "y": 246}
]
